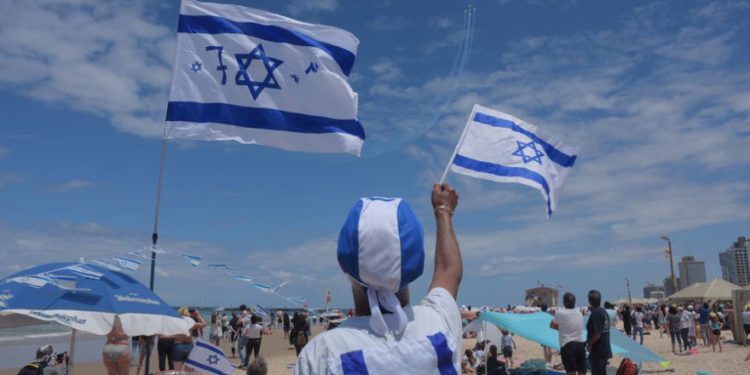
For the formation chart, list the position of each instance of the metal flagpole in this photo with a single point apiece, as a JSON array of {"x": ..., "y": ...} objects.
[{"x": 155, "y": 234}]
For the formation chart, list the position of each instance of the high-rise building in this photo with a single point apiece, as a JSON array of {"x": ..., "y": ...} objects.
[
  {"x": 653, "y": 291},
  {"x": 735, "y": 267},
  {"x": 691, "y": 272},
  {"x": 669, "y": 288}
]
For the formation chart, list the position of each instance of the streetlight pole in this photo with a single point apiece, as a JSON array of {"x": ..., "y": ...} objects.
[
  {"x": 630, "y": 299},
  {"x": 671, "y": 262}
]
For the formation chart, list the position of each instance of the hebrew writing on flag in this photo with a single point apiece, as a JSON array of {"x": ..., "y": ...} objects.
[
  {"x": 499, "y": 147},
  {"x": 256, "y": 77}
]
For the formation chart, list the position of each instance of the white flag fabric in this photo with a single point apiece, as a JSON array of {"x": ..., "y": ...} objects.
[
  {"x": 129, "y": 264},
  {"x": 256, "y": 77},
  {"x": 209, "y": 359},
  {"x": 499, "y": 147}
]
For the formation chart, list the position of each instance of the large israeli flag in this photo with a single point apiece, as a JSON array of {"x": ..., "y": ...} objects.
[
  {"x": 499, "y": 147},
  {"x": 255, "y": 77}
]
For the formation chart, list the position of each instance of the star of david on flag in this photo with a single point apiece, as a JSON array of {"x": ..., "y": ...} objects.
[
  {"x": 209, "y": 359},
  {"x": 256, "y": 77},
  {"x": 499, "y": 147}
]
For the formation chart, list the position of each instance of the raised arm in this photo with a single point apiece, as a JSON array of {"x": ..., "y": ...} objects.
[{"x": 448, "y": 264}]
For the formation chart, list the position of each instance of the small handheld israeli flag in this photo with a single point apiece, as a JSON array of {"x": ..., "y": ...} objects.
[
  {"x": 499, "y": 147},
  {"x": 209, "y": 359},
  {"x": 255, "y": 77}
]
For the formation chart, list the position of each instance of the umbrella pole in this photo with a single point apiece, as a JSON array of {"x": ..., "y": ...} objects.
[
  {"x": 72, "y": 352},
  {"x": 155, "y": 234}
]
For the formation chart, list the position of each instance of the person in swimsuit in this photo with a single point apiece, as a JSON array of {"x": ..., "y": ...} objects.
[
  {"x": 183, "y": 344},
  {"x": 116, "y": 353}
]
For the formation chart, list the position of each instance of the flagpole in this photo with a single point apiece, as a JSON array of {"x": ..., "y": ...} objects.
[
  {"x": 155, "y": 234},
  {"x": 458, "y": 145}
]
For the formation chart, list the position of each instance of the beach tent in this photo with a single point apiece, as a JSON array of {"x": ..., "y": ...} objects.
[
  {"x": 714, "y": 290},
  {"x": 535, "y": 327},
  {"x": 485, "y": 331},
  {"x": 636, "y": 301},
  {"x": 87, "y": 298}
]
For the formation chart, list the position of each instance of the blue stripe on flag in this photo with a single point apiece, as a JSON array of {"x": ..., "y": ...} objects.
[
  {"x": 353, "y": 363},
  {"x": 554, "y": 154},
  {"x": 261, "y": 118},
  {"x": 210, "y": 347},
  {"x": 444, "y": 354},
  {"x": 501, "y": 170},
  {"x": 219, "y": 25},
  {"x": 204, "y": 367}
]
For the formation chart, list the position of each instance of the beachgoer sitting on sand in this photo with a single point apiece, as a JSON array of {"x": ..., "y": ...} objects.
[
  {"x": 381, "y": 248},
  {"x": 468, "y": 363},
  {"x": 41, "y": 363}
]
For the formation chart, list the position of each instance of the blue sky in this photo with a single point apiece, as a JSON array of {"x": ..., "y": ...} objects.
[{"x": 657, "y": 94}]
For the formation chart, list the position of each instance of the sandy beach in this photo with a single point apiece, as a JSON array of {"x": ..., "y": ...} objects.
[{"x": 281, "y": 356}]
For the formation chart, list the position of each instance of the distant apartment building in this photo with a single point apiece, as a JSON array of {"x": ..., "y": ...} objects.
[
  {"x": 653, "y": 291},
  {"x": 735, "y": 267},
  {"x": 691, "y": 272},
  {"x": 669, "y": 288}
]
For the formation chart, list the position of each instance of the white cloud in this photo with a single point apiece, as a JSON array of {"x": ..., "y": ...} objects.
[
  {"x": 297, "y": 7},
  {"x": 73, "y": 185},
  {"x": 7, "y": 179},
  {"x": 385, "y": 70},
  {"x": 108, "y": 58}
]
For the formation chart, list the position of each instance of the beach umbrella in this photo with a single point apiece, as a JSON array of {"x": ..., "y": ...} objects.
[{"x": 85, "y": 297}]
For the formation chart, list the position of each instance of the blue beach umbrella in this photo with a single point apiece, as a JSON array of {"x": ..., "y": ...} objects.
[{"x": 86, "y": 297}]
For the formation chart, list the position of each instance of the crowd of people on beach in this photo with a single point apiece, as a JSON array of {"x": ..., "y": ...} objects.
[{"x": 683, "y": 323}]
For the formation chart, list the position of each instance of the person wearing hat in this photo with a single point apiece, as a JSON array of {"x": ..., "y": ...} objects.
[{"x": 381, "y": 249}]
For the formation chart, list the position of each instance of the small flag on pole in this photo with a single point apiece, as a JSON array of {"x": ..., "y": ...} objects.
[
  {"x": 209, "y": 359},
  {"x": 129, "y": 264},
  {"x": 328, "y": 296},
  {"x": 194, "y": 260},
  {"x": 499, "y": 147},
  {"x": 256, "y": 77}
]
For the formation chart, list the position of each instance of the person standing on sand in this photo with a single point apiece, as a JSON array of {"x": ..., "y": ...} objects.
[
  {"x": 569, "y": 323},
  {"x": 597, "y": 335},
  {"x": 116, "y": 352},
  {"x": 183, "y": 344},
  {"x": 637, "y": 322},
  {"x": 627, "y": 320},
  {"x": 381, "y": 248},
  {"x": 673, "y": 323},
  {"x": 286, "y": 324},
  {"x": 703, "y": 313}
]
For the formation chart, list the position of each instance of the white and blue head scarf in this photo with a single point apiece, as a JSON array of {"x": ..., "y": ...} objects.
[{"x": 381, "y": 246}]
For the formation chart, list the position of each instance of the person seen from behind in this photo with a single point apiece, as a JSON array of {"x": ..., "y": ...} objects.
[
  {"x": 597, "y": 335},
  {"x": 116, "y": 352},
  {"x": 569, "y": 324},
  {"x": 508, "y": 345},
  {"x": 381, "y": 249},
  {"x": 673, "y": 323}
]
